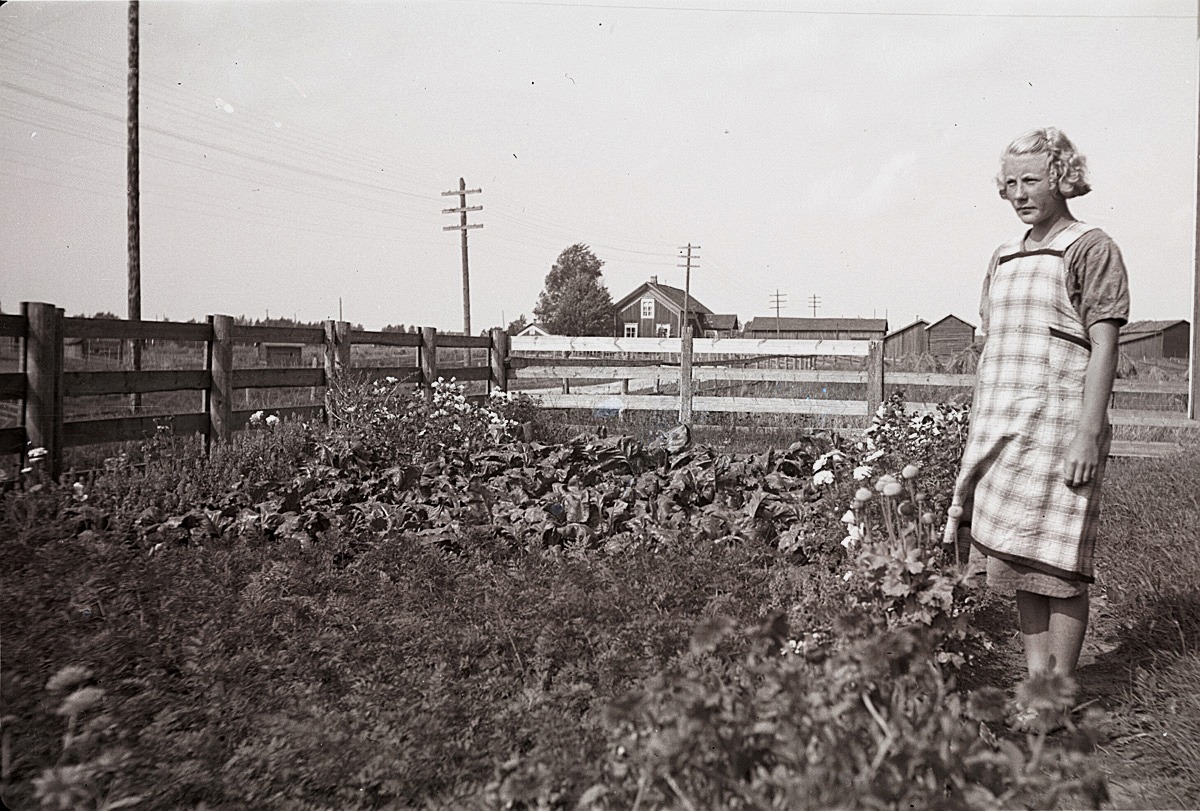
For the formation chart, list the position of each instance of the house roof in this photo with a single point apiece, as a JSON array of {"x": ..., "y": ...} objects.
[
  {"x": 536, "y": 328},
  {"x": 722, "y": 321},
  {"x": 671, "y": 296},
  {"x": 1146, "y": 327},
  {"x": 955, "y": 317},
  {"x": 920, "y": 322},
  {"x": 770, "y": 323}
]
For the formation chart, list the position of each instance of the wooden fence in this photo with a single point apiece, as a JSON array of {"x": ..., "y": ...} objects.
[
  {"x": 729, "y": 359},
  {"x": 42, "y": 382}
]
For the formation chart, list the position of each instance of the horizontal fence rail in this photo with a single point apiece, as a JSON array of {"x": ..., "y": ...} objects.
[
  {"x": 44, "y": 333},
  {"x": 601, "y": 374}
]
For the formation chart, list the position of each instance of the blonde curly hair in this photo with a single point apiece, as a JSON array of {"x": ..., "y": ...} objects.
[{"x": 1066, "y": 165}]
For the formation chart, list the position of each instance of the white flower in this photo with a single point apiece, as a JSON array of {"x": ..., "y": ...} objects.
[
  {"x": 848, "y": 542},
  {"x": 871, "y": 457},
  {"x": 392, "y": 380},
  {"x": 847, "y": 576},
  {"x": 861, "y": 472},
  {"x": 272, "y": 420},
  {"x": 849, "y": 517},
  {"x": 37, "y": 453},
  {"x": 823, "y": 477},
  {"x": 256, "y": 418}
]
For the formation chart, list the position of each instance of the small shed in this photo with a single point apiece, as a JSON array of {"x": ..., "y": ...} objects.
[
  {"x": 817, "y": 329},
  {"x": 280, "y": 354},
  {"x": 720, "y": 325},
  {"x": 907, "y": 341},
  {"x": 1142, "y": 340},
  {"x": 949, "y": 336}
]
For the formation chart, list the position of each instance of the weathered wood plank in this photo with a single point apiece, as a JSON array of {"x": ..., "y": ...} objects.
[
  {"x": 12, "y": 385},
  {"x": 463, "y": 341},
  {"x": 1151, "y": 386},
  {"x": 1128, "y": 447},
  {"x": 569, "y": 369},
  {"x": 144, "y": 330},
  {"x": 244, "y": 334},
  {"x": 363, "y": 336},
  {"x": 1163, "y": 419},
  {"x": 748, "y": 405},
  {"x": 13, "y": 326},
  {"x": 701, "y": 346},
  {"x": 928, "y": 379},
  {"x": 125, "y": 429},
  {"x": 78, "y": 384},
  {"x": 277, "y": 378},
  {"x": 773, "y": 405}
]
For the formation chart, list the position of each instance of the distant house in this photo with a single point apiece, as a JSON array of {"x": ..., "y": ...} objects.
[
  {"x": 720, "y": 326},
  {"x": 533, "y": 329},
  {"x": 653, "y": 310},
  {"x": 906, "y": 341},
  {"x": 947, "y": 337},
  {"x": 1156, "y": 339},
  {"x": 817, "y": 329}
]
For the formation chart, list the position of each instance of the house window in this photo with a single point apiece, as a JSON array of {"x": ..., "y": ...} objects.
[
  {"x": 647, "y": 308},
  {"x": 631, "y": 330},
  {"x": 662, "y": 330}
]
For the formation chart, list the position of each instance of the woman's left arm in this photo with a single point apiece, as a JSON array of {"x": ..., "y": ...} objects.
[{"x": 1083, "y": 454}]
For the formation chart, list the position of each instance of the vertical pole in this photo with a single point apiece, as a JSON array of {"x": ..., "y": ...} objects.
[
  {"x": 43, "y": 380},
  {"x": 132, "y": 193},
  {"x": 874, "y": 377},
  {"x": 1194, "y": 371},
  {"x": 429, "y": 363},
  {"x": 462, "y": 202},
  {"x": 499, "y": 357},
  {"x": 685, "y": 377},
  {"x": 219, "y": 396},
  {"x": 337, "y": 359}
]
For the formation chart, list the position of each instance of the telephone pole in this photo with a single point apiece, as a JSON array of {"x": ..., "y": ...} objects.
[
  {"x": 687, "y": 288},
  {"x": 462, "y": 191},
  {"x": 132, "y": 194},
  {"x": 777, "y": 301},
  {"x": 814, "y": 301}
]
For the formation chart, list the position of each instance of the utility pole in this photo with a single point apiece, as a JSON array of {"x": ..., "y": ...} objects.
[
  {"x": 132, "y": 205},
  {"x": 777, "y": 301},
  {"x": 687, "y": 288},
  {"x": 814, "y": 301},
  {"x": 1194, "y": 370},
  {"x": 462, "y": 226}
]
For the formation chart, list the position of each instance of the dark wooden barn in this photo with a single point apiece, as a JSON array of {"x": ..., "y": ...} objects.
[
  {"x": 949, "y": 336},
  {"x": 1156, "y": 339}
]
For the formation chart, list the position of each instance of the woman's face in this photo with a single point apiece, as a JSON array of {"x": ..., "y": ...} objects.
[{"x": 1031, "y": 189}]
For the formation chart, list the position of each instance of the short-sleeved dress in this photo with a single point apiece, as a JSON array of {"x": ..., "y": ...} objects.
[{"x": 1036, "y": 311}]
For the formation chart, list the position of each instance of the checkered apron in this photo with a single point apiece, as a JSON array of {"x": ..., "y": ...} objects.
[{"x": 1028, "y": 398}]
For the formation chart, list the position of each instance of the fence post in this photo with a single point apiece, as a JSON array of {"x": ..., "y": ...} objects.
[
  {"x": 685, "y": 377},
  {"x": 219, "y": 396},
  {"x": 337, "y": 359},
  {"x": 43, "y": 362},
  {"x": 874, "y": 377},
  {"x": 499, "y": 355},
  {"x": 429, "y": 364}
]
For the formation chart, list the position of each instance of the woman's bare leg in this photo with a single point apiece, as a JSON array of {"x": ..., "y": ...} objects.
[{"x": 1052, "y": 629}]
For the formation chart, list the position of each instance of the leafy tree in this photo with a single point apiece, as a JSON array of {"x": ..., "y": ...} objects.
[
  {"x": 516, "y": 326},
  {"x": 575, "y": 300}
]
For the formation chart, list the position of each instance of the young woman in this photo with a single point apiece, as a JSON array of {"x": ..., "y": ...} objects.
[{"x": 1029, "y": 487}]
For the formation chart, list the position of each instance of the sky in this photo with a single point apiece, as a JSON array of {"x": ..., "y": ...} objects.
[{"x": 294, "y": 154}]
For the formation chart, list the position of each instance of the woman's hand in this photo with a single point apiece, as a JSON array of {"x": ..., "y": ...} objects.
[{"x": 1082, "y": 460}]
